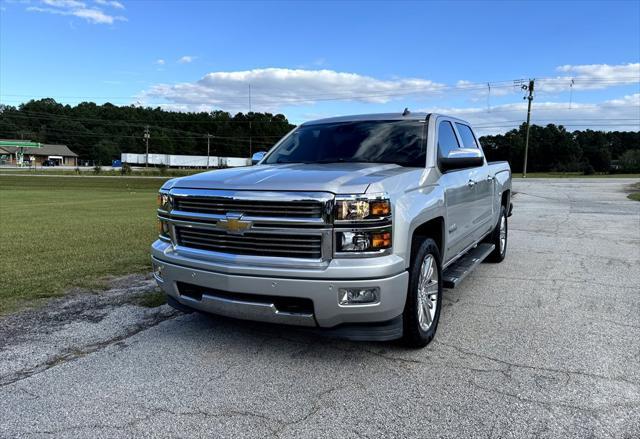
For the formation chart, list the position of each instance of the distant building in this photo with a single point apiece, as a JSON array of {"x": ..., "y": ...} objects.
[{"x": 11, "y": 153}]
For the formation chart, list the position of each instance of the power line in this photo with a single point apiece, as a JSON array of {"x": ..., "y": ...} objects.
[
  {"x": 559, "y": 124},
  {"x": 137, "y": 122},
  {"x": 190, "y": 134},
  {"x": 109, "y": 122},
  {"x": 430, "y": 88}
]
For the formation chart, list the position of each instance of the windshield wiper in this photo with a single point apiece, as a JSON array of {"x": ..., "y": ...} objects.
[
  {"x": 341, "y": 160},
  {"x": 284, "y": 161}
]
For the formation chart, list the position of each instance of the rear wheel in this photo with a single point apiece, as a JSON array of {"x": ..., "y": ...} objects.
[
  {"x": 499, "y": 238},
  {"x": 424, "y": 296}
]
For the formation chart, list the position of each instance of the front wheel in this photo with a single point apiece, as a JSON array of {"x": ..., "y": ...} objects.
[{"x": 424, "y": 296}]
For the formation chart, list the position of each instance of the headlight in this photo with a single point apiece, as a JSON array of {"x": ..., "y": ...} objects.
[
  {"x": 363, "y": 225},
  {"x": 164, "y": 201},
  {"x": 363, "y": 241},
  {"x": 358, "y": 208}
]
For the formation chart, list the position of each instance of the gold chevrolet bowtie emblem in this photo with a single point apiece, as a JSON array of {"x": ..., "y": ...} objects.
[{"x": 234, "y": 224}]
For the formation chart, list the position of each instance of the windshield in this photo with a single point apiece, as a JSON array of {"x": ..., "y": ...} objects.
[{"x": 397, "y": 142}]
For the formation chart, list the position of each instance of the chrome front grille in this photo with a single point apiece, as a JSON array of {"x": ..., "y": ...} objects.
[
  {"x": 254, "y": 208},
  {"x": 251, "y": 243},
  {"x": 254, "y": 227}
]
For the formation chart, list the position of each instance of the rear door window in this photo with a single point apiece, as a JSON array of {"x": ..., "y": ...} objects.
[{"x": 468, "y": 139}]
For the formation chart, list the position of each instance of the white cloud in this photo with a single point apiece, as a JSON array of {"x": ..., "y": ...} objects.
[
  {"x": 186, "y": 59},
  {"x": 113, "y": 3},
  {"x": 615, "y": 114},
  {"x": 77, "y": 9},
  {"x": 603, "y": 71},
  {"x": 274, "y": 87},
  {"x": 160, "y": 62},
  {"x": 590, "y": 77},
  {"x": 582, "y": 77},
  {"x": 64, "y": 3}
]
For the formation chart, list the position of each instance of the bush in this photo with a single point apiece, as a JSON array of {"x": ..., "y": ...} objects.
[
  {"x": 126, "y": 169},
  {"x": 162, "y": 168},
  {"x": 588, "y": 169},
  {"x": 630, "y": 161},
  {"x": 97, "y": 169}
]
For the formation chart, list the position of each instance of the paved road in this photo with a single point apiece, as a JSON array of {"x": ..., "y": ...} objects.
[{"x": 546, "y": 344}]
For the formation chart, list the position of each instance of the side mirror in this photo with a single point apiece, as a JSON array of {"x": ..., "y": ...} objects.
[
  {"x": 461, "y": 158},
  {"x": 255, "y": 158}
]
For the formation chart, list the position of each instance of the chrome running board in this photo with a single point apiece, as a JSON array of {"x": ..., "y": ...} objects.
[{"x": 456, "y": 272}]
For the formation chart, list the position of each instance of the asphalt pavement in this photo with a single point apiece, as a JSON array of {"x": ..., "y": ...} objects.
[{"x": 545, "y": 344}]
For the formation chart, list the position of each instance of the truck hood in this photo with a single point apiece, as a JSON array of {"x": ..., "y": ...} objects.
[{"x": 339, "y": 178}]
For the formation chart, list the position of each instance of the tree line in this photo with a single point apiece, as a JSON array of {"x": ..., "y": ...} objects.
[
  {"x": 554, "y": 149},
  {"x": 101, "y": 132}
]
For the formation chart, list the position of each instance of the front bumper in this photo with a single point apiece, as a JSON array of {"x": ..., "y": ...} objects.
[{"x": 319, "y": 286}]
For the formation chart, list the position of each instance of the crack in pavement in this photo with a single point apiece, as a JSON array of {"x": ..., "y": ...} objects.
[
  {"x": 76, "y": 353},
  {"x": 566, "y": 280},
  {"x": 276, "y": 431},
  {"x": 617, "y": 380}
]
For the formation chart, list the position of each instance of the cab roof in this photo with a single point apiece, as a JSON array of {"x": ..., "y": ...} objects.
[
  {"x": 377, "y": 117},
  {"x": 369, "y": 117}
]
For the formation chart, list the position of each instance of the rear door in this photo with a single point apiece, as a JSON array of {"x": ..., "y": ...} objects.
[
  {"x": 482, "y": 183},
  {"x": 459, "y": 196}
]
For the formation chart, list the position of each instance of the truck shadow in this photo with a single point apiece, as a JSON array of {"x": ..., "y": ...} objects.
[{"x": 214, "y": 332}]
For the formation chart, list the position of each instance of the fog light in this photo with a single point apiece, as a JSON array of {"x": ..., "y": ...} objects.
[
  {"x": 356, "y": 296},
  {"x": 157, "y": 271}
]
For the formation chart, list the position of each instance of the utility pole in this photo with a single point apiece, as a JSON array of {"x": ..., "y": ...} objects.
[
  {"x": 208, "y": 148},
  {"x": 146, "y": 141},
  {"x": 528, "y": 88},
  {"x": 250, "y": 130}
]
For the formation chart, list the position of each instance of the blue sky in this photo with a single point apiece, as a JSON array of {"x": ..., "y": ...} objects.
[{"x": 315, "y": 59}]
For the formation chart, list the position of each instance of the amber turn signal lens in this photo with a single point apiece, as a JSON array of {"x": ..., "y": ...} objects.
[
  {"x": 163, "y": 228},
  {"x": 381, "y": 240},
  {"x": 379, "y": 208}
]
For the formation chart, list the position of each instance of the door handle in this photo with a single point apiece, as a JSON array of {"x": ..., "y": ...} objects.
[
  {"x": 471, "y": 183},
  {"x": 490, "y": 178}
]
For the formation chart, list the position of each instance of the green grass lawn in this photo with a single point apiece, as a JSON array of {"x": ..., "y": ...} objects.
[
  {"x": 635, "y": 192},
  {"x": 60, "y": 232},
  {"x": 150, "y": 172}
]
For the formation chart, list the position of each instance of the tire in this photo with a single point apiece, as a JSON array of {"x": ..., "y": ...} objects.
[
  {"x": 495, "y": 238},
  {"x": 419, "y": 322}
]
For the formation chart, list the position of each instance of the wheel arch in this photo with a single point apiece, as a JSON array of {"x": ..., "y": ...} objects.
[
  {"x": 434, "y": 229},
  {"x": 506, "y": 197}
]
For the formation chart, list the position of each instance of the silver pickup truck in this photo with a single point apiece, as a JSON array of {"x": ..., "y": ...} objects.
[{"x": 351, "y": 226}]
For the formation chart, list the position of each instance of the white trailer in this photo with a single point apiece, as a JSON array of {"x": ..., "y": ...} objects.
[{"x": 185, "y": 161}]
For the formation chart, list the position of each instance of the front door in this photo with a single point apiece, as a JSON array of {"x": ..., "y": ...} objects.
[{"x": 459, "y": 194}]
